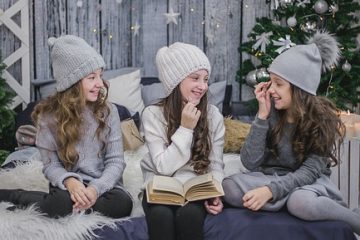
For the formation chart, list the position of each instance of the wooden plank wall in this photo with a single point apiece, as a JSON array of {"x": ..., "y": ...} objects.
[
  {"x": 346, "y": 175},
  {"x": 214, "y": 26}
]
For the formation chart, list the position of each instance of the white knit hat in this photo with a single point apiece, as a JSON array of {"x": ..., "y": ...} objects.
[
  {"x": 72, "y": 59},
  {"x": 301, "y": 65},
  {"x": 176, "y": 62}
]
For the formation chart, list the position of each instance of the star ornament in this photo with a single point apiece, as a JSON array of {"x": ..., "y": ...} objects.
[
  {"x": 136, "y": 28},
  {"x": 171, "y": 16}
]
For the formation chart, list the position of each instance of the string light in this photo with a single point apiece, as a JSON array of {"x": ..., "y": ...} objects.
[
  {"x": 192, "y": 9},
  {"x": 94, "y": 30}
]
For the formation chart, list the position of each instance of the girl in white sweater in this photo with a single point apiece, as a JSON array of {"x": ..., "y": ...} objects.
[{"x": 185, "y": 137}]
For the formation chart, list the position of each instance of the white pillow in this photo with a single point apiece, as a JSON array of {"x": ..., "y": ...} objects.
[{"x": 125, "y": 90}]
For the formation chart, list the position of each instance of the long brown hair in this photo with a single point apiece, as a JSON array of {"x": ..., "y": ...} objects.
[
  {"x": 318, "y": 127},
  {"x": 67, "y": 107},
  {"x": 201, "y": 141}
]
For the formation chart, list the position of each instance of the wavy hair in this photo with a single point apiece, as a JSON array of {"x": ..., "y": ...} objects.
[
  {"x": 67, "y": 108},
  {"x": 200, "y": 150},
  {"x": 318, "y": 126}
]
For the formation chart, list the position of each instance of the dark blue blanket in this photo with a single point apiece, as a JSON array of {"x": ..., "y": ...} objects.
[{"x": 237, "y": 224}]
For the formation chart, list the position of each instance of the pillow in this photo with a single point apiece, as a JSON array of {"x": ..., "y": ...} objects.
[
  {"x": 235, "y": 134},
  {"x": 216, "y": 94},
  {"x": 125, "y": 90},
  {"x": 151, "y": 93}
]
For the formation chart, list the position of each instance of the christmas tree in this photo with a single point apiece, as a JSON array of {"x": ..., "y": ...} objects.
[
  {"x": 7, "y": 116},
  {"x": 293, "y": 22}
]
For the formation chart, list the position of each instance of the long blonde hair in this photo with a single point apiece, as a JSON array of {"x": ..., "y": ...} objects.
[{"x": 67, "y": 108}]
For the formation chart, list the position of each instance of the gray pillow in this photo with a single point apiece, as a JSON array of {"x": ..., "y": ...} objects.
[
  {"x": 154, "y": 92},
  {"x": 216, "y": 94}
]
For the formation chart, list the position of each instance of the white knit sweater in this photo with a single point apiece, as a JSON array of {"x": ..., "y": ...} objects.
[{"x": 173, "y": 160}]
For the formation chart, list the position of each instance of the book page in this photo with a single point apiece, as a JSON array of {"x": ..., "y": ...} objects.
[
  {"x": 198, "y": 180},
  {"x": 170, "y": 184}
]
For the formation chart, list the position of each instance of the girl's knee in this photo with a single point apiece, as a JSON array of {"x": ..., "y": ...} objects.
[
  {"x": 233, "y": 194},
  {"x": 302, "y": 204}
]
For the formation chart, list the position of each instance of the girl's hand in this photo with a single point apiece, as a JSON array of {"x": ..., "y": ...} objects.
[
  {"x": 256, "y": 198},
  {"x": 77, "y": 192},
  {"x": 91, "y": 194},
  {"x": 214, "y": 206},
  {"x": 263, "y": 96},
  {"x": 190, "y": 116}
]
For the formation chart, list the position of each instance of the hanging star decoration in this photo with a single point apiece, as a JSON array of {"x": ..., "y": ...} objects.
[
  {"x": 136, "y": 29},
  {"x": 171, "y": 16},
  {"x": 262, "y": 41},
  {"x": 283, "y": 43},
  {"x": 301, "y": 3},
  {"x": 210, "y": 38}
]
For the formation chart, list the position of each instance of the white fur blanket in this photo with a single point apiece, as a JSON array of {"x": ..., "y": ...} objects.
[{"x": 30, "y": 224}]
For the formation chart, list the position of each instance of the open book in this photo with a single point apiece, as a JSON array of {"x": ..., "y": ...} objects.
[{"x": 169, "y": 190}]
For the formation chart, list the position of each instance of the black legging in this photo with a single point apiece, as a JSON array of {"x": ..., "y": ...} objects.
[
  {"x": 168, "y": 222},
  {"x": 57, "y": 203}
]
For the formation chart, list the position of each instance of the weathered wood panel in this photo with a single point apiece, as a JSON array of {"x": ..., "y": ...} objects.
[
  {"x": 116, "y": 34},
  {"x": 49, "y": 21},
  {"x": 190, "y": 27},
  {"x": 344, "y": 171},
  {"x": 84, "y": 21},
  {"x": 154, "y": 33},
  {"x": 222, "y": 31},
  {"x": 137, "y": 47},
  {"x": 346, "y": 174},
  {"x": 354, "y": 174}
]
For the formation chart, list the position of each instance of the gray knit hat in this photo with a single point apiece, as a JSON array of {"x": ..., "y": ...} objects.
[
  {"x": 176, "y": 62},
  {"x": 72, "y": 59},
  {"x": 301, "y": 65}
]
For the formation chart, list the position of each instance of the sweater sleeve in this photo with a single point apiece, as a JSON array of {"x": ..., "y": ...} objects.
[
  {"x": 53, "y": 168},
  {"x": 167, "y": 159},
  {"x": 310, "y": 170},
  {"x": 217, "y": 147},
  {"x": 114, "y": 157},
  {"x": 254, "y": 149}
]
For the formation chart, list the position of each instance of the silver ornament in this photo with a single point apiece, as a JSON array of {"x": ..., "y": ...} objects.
[
  {"x": 308, "y": 27},
  {"x": 346, "y": 67},
  {"x": 262, "y": 75},
  {"x": 251, "y": 78},
  {"x": 321, "y": 6},
  {"x": 291, "y": 21}
]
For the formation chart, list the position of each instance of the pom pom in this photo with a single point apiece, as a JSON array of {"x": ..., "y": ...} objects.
[
  {"x": 51, "y": 41},
  {"x": 328, "y": 47}
]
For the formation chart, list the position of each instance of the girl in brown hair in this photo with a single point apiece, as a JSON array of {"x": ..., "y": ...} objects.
[
  {"x": 79, "y": 139},
  {"x": 292, "y": 142},
  {"x": 185, "y": 137}
]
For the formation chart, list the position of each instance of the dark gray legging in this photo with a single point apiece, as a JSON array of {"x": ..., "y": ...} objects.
[
  {"x": 57, "y": 203},
  {"x": 167, "y": 222},
  {"x": 309, "y": 206}
]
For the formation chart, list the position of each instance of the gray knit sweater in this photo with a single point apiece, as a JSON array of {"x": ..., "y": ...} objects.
[
  {"x": 256, "y": 156},
  {"x": 102, "y": 171}
]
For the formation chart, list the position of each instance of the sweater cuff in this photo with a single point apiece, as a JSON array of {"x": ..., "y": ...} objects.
[
  {"x": 274, "y": 190},
  {"x": 60, "y": 182},
  {"x": 261, "y": 122}
]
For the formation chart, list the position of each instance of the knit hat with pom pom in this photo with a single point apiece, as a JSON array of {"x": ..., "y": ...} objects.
[
  {"x": 301, "y": 65},
  {"x": 72, "y": 59}
]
